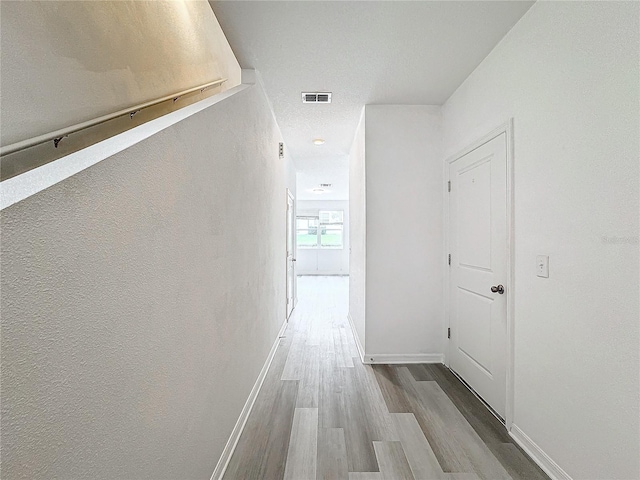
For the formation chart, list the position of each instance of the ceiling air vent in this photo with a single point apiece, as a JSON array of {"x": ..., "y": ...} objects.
[
  {"x": 316, "y": 97},
  {"x": 325, "y": 184}
]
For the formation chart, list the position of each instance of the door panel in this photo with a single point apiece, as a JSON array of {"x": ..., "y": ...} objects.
[
  {"x": 474, "y": 208},
  {"x": 478, "y": 239},
  {"x": 291, "y": 276},
  {"x": 474, "y": 330}
]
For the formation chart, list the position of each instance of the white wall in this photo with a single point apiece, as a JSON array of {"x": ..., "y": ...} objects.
[
  {"x": 324, "y": 261},
  {"x": 568, "y": 74},
  {"x": 64, "y": 62},
  {"x": 404, "y": 266},
  {"x": 357, "y": 232},
  {"x": 137, "y": 309}
]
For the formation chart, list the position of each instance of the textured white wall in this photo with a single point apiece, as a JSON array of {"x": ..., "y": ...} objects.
[
  {"x": 64, "y": 62},
  {"x": 138, "y": 307},
  {"x": 357, "y": 230},
  {"x": 404, "y": 230},
  {"x": 568, "y": 74},
  {"x": 327, "y": 261}
]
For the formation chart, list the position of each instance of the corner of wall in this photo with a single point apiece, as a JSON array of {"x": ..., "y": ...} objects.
[
  {"x": 249, "y": 76},
  {"x": 544, "y": 461},
  {"x": 359, "y": 344}
]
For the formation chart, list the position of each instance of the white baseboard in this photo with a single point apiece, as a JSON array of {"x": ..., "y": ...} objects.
[
  {"x": 355, "y": 335},
  {"x": 229, "y": 448},
  {"x": 323, "y": 274},
  {"x": 544, "y": 461},
  {"x": 373, "y": 359}
]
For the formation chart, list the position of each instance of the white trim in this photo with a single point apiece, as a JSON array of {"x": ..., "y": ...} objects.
[
  {"x": 33, "y": 181},
  {"x": 507, "y": 129},
  {"x": 223, "y": 461},
  {"x": 511, "y": 278},
  {"x": 386, "y": 359},
  {"x": 356, "y": 337},
  {"x": 445, "y": 263},
  {"x": 288, "y": 314},
  {"x": 323, "y": 274},
  {"x": 544, "y": 461}
]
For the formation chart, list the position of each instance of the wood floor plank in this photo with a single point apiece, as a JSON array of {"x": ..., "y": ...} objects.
[
  {"x": 337, "y": 342},
  {"x": 315, "y": 326},
  {"x": 486, "y": 425},
  {"x": 420, "y": 372},
  {"x": 327, "y": 334},
  {"x": 294, "y": 367},
  {"x": 309, "y": 386},
  {"x": 332, "y": 455},
  {"x": 262, "y": 449},
  {"x": 342, "y": 351},
  {"x": 351, "y": 399},
  {"x": 392, "y": 391},
  {"x": 372, "y": 399},
  {"x": 347, "y": 339},
  {"x": 455, "y": 443},
  {"x": 248, "y": 458},
  {"x": 314, "y": 369},
  {"x": 392, "y": 460},
  {"x": 303, "y": 446},
  {"x": 365, "y": 418},
  {"x": 461, "y": 476},
  {"x": 330, "y": 397},
  {"x": 516, "y": 463},
  {"x": 359, "y": 426},
  {"x": 365, "y": 476},
  {"x": 479, "y": 417},
  {"x": 423, "y": 462}
]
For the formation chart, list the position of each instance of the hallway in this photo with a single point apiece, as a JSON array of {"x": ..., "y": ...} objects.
[{"x": 322, "y": 414}]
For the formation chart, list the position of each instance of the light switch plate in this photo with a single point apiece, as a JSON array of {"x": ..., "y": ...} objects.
[{"x": 542, "y": 266}]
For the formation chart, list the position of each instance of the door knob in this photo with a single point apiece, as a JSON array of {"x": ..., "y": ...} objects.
[{"x": 497, "y": 289}]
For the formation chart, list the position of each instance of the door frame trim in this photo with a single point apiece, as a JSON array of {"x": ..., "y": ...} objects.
[
  {"x": 507, "y": 129},
  {"x": 294, "y": 301}
]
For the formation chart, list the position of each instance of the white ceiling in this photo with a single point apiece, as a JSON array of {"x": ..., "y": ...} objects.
[{"x": 364, "y": 52}]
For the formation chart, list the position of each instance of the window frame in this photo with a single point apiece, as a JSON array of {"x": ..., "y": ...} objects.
[{"x": 331, "y": 224}]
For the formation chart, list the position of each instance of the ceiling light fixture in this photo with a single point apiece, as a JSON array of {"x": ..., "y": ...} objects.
[
  {"x": 318, "y": 190},
  {"x": 318, "y": 141}
]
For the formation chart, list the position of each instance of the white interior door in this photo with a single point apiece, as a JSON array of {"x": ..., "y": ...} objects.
[
  {"x": 291, "y": 274},
  {"x": 479, "y": 262}
]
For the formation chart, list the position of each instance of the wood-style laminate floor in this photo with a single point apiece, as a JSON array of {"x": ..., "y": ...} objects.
[{"x": 322, "y": 414}]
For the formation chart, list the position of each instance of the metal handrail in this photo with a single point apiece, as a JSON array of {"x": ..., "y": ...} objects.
[{"x": 131, "y": 111}]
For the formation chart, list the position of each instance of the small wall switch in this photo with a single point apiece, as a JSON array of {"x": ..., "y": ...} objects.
[{"x": 542, "y": 266}]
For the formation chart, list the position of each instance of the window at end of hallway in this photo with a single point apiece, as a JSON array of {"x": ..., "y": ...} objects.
[
  {"x": 307, "y": 232},
  {"x": 324, "y": 231}
]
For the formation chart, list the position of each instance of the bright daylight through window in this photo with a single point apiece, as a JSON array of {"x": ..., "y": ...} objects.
[{"x": 322, "y": 231}]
